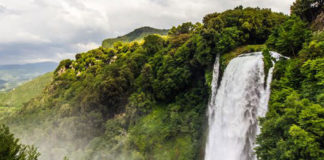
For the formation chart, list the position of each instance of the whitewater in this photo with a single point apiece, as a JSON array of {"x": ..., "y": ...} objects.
[{"x": 235, "y": 106}]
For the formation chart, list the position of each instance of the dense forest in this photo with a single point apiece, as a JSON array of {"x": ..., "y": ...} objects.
[{"x": 148, "y": 99}]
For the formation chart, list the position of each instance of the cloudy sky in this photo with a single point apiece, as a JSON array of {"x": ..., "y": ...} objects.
[{"x": 51, "y": 30}]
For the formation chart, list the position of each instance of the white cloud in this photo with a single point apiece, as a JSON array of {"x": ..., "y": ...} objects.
[
  {"x": 61, "y": 56},
  {"x": 23, "y": 37},
  {"x": 83, "y": 47},
  {"x": 48, "y": 27}
]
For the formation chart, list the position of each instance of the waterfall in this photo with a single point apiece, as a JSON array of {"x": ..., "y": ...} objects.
[
  {"x": 235, "y": 106},
  {"x": 214, "y": 87}
]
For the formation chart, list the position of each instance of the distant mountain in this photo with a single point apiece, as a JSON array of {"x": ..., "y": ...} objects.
[
  {"x": 13, "y": 75},
  {"x": 41, "y": 66},
  {"x": 2, "y": 82},
  {"x": 137, "y": 34}
]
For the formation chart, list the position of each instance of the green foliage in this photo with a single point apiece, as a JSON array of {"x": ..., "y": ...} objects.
[
  {"x": 153, "y": 44},
  {"x": 307, "y": 9},
  {"x": 162, "y": 134},
  {"x": 294, "y": 126},
  {"x": 66, "y": 158},
  {"x": 267, "y": 60},
  {"x": 288, "y": 39},
  {"x": 315, "y": 48},
  {"x": 255, "y": 23},
  {"x": 135, "y": 35},
  {"x": 292, "y": 129},
  {"x": 312, "y": 85},
  {"x": 185, "y": 28},
  {"x": 10, "y": 149}
]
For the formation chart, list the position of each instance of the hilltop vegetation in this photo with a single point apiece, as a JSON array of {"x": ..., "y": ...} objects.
[{"x": 136, "y": 35}]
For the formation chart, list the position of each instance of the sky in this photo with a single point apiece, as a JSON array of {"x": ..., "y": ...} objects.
[{"x": 51, "y": 30}]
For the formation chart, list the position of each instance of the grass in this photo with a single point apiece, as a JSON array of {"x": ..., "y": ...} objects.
[{"x": 6, "y": 112}]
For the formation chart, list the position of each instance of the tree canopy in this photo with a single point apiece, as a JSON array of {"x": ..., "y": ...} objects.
[
  {"x": 11, "y": 149},
  {"x": 289, "y": 37}
]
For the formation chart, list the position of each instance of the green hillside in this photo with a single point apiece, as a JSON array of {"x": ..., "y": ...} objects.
[
  {"x": 13, "y": 100},
  {"x": 137, "y": 34},
  {"x": 25, "y": 92}
]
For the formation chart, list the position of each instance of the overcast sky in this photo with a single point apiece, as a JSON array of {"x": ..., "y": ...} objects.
[{"x": 51, "y": 30}]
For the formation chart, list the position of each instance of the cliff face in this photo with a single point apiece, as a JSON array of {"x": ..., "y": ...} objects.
[{"x": 318, "y": 23}]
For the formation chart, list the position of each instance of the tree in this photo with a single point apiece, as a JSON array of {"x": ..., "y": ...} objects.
[
  {"x": 315, "y": 48},
  {"x": 307, "y": 9},
  {"x": 184, "y": 28},
  {"x": 152, "y": 44},
  {"x": 288, "y": 38},
  {"x": 11, "y": 149},
  {"x": 292, "y": 129}
]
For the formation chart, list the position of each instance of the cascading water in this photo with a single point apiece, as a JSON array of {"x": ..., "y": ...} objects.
[
  {"x": 235, "y": 106},
  {"x": 214, "y": 87}
]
